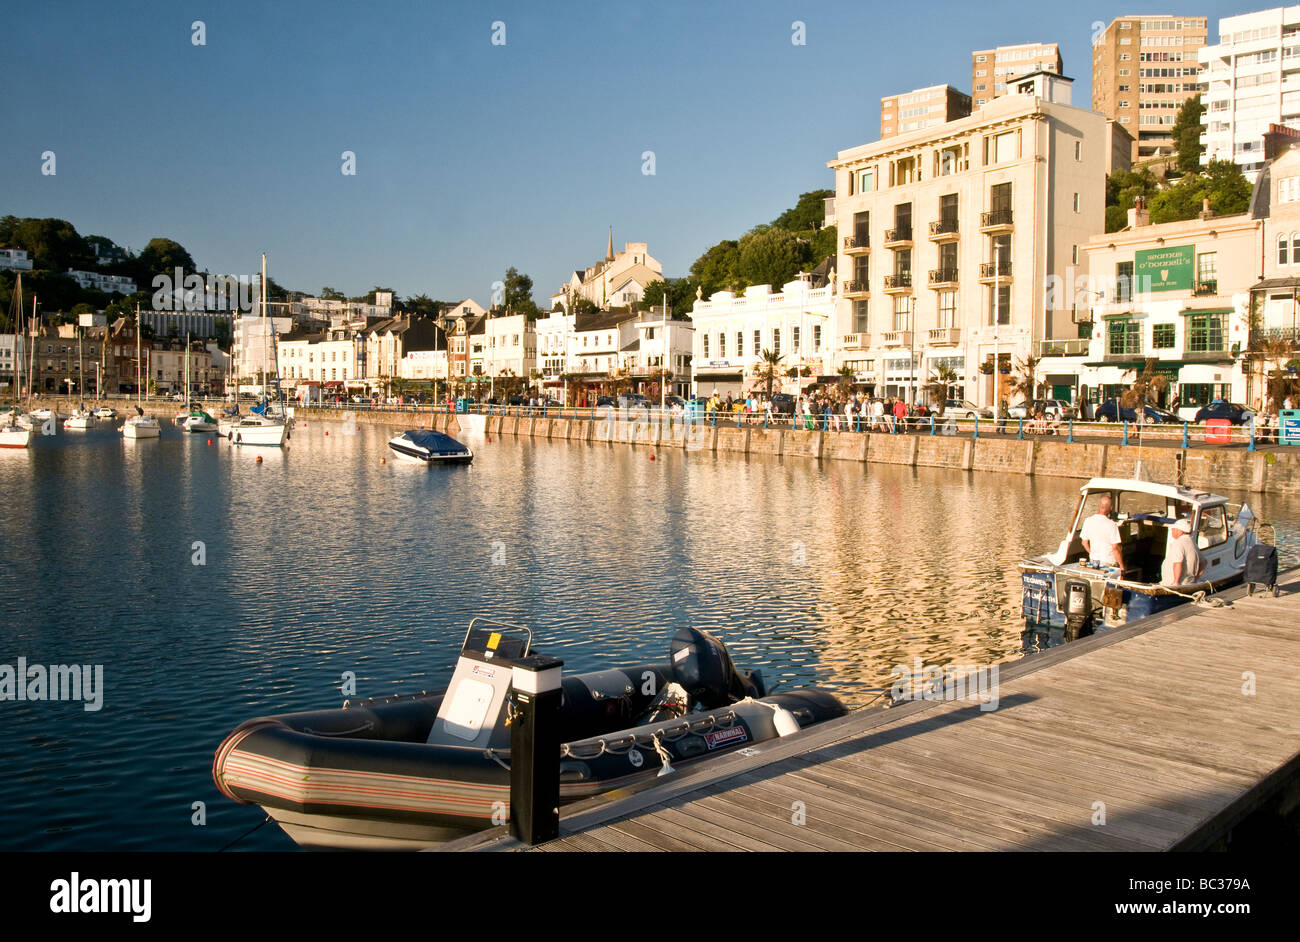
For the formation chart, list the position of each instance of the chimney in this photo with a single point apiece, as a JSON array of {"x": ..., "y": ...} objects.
[
  {"x": 1206, "y": 212},
  {"x": 1139, "y": 215}
]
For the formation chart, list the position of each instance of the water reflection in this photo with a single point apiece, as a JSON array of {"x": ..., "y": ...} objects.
[{"x": 327, "y": 557}]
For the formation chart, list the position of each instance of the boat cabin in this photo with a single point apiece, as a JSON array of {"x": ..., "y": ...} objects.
[{"x": 1145, "y": 512}]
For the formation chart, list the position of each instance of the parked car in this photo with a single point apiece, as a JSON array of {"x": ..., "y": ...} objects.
[
  {"x": 1222, "y": 409},
  {"x": 1112, "y": 411},
  {"x": 782, "y": 404},
  {"x": 633, "y": 401},
  {"x": 605, "y": 402},
  {"x": 670, "y": 401},
  {"x": 965, "y": 409},
  {"x": 1049, "y": 407}
]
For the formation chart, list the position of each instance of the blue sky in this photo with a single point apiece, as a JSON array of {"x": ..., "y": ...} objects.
[{"x": 470, "y": 157}]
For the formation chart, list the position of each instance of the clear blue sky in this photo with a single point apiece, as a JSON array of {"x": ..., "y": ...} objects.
[{"x": 470, "y": 157}]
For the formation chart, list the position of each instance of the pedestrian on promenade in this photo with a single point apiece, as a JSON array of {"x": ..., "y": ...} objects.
[
  {"x": 900, "y": 415},
  {"x": 877, "y": 414},
  {"x": 1004, "y": 414}
]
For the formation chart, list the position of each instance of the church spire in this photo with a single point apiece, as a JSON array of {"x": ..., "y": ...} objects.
[{"x": 609, "y": 253}]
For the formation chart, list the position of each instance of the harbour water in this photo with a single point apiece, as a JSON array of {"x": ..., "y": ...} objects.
[{"x": 213, "y": 588}]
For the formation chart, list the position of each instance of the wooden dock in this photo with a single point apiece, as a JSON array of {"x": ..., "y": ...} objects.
[{"x": 1161, "y": 735}]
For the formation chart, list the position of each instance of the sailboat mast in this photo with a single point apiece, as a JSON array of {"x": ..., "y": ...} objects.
[
  {"x": 31, "y": 365},
  {"x": 139, "y": 376},
  {"x": 261, "y": 367},
  {"x": 81, "y": 366}
]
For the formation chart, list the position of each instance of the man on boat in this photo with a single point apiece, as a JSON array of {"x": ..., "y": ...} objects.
[
  {"x": 1100, "y": 536},
  {"x": 1183, "y": 563}
]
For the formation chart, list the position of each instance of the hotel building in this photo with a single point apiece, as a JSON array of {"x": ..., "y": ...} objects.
[
  {"x": 992, "y": 70},
  {"x": 948, "y": 237},
  {"x": 922, "y": 108}
]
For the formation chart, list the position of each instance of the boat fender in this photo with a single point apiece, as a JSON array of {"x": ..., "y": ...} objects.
[{"x": 783, "y": 720}]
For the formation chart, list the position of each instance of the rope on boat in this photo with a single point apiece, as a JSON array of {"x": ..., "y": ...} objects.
[
  {"x": 245, "y": 834},
  {"x": 492, "y": 754},
  {"x": 617, "y": 748},
  {"x": 368, "y": 724}
]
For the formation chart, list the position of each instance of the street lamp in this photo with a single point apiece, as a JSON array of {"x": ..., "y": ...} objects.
[{"x": 911, "y": 338}]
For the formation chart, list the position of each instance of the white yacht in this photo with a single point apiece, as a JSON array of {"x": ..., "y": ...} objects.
[
  {"x": 142, "y": 426},
  {"x": 80, "y": 418}
]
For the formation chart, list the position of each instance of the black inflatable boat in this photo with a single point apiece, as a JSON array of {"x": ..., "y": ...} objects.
[{"x": 407, "y": 772}]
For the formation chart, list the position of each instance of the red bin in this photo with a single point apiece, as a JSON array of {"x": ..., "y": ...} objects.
[{"x": 1218, "y": 432}]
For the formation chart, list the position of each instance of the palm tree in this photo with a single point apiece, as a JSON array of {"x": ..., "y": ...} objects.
[
  {"x": 846, "y": 380},
  {"x": 767, "y": 371},
  {"x": 1024, "y": 381},
  {"x": 939, "y": 388},
  {"x": 1146, "y": 389}
]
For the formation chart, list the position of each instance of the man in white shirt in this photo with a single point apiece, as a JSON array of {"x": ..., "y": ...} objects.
[
  {"x": 1100, "y": 536},
  {"x": 1183, "y": 564}
]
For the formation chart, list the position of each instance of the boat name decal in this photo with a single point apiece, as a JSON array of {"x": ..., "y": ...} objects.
[
  {"x": 482, "y": 671},
  {"x": 724, "y": 737}
]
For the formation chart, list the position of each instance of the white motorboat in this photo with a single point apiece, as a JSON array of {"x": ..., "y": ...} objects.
[
  {"x": 1145, "y": 513},
  {"x": 79, "y": 418},
  {"x": 430, "y": 447},
  {"x": 142, "y": 426},
  {"x": 42, "y": 415},
  {"x": 261, "y": 430},
  {"x": 199, "y": 422},
  {"x": 105, "y": 412}
]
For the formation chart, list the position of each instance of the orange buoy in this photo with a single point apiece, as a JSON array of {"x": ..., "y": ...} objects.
[
  {"x": 209, "y": 441},
  {"x": 652, "y": 457},
  {"x": 327, "y": 434},
  {"x": 259, "y": 459},
  {"x": 383, "y": 461}
]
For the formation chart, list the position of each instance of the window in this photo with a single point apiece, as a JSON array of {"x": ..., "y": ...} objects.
[
  {"x": 1076, "y": 207},
  {"x": 776, "y": 339},
  {"x": 1123, "y": 281},
  {"x": 866, "y": 181},
  {"x": 1123, "y": 337},
  {"x": 1207, "y": 271},
  {"x": 948, "y": 260},
  {"x": 901, "y": 305},
  {"x": 1000, "y": 304},
  {"x": 862, "y": 228},
  {"x": 794, "y": 339},
  {"x": 758, "y": 342},
  {"x": 740, "y": 344},
  {"x": 1214, "y": 527},
  {"x": 1162, "y": 336},
  {"x": 722, "y": 345},
  {"x": 1002, "y": 147},
  {"x": 861, "y": 324},
  {"x": 1281, "y": 249},
  {"x": 1078, "y": 150},
  {"x": 817, "y": 338},
  {"x": 706, "y": 345},
  {"x": 947, "y": 308},
  {"x": 1074, "y": 255},
  {"x": 1205, "y": 333},
  {"x": 861, "y": 270}
]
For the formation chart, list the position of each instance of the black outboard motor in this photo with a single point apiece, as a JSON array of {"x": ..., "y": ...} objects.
[
  {"x": 1078, "y": 610},
  {"x": 701, "y": 664}
]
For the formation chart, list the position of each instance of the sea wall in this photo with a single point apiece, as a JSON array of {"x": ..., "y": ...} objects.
[{"x": 1270, "y": 469}]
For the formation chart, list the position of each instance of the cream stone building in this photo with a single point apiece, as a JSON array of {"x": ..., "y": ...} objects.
[
  {"x": 1177, "y": 293},
  {"x": 618, "y": 280},
  {"x": 948, "y": 237},
  {"x": 732, "y": 331}
]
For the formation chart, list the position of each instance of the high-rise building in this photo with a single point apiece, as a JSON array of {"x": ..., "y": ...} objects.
[
  {"x": 922, "y": 108},
  {"x": 1249, "y": 80},
  {"x": 991, "y": 69},
  {"x": 1143, "y": 69}
]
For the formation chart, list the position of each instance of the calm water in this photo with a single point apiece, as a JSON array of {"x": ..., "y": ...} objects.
[{"x": 322, "y": 560}]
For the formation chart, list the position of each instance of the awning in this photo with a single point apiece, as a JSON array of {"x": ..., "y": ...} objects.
[
  {"x": 1060, "y": 379},
  {"x": 734, "y": 377},
  {"x": 1206, "y": 310}
]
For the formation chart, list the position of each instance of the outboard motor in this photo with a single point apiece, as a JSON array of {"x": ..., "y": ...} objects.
[
  {"x": 701, "y": 664},
  {"x": 1078, "y": 609}
]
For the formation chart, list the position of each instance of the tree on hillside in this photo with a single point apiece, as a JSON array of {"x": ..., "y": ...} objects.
[
  {"x": 53, "y": 244},
  {"x": 1187, "y": 135},
  {"x": 808, "y": 213},
  {"x": 162, "y": 257},
  {"x": 519, "y": 293},
  {"x": 716, "y": 269},
  {"x": 680, "y": 292},
  {"x": 422, "y": 305},
  {"x": 769, "y": 256},
  {"x": 332, "y": 294},
  {"x": 1122, "y": 189},
  {"x": 824, "y": 245},
  {"x": 1222, "y": 183}
]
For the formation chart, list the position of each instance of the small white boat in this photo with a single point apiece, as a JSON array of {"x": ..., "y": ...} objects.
[
  {"x": 430, "y": 447},
  {"x": 199, "y": 422},
  {"x": 142, "y": 426},
  {"x": 105, "y": 412},
  {"x": 79, "y": 419},
  {"x": 43, "y": 414},
  {"x": 14, "y": 436},
  {"x": 261, "y": 430},
  {"x": 1145, "y": 513}
]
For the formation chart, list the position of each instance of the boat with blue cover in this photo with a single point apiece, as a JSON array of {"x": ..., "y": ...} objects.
[{"x": 430, "y": 447}]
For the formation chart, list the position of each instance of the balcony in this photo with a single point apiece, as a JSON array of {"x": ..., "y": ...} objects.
[
  {"x": 858, "y": 289},
  {"x": 999, "y": 220},
  {"x": 1289, "y": 335},
  {"x": 899, "y": 238},
  {"x": 945, "y": 336},
  {"x": 1003, "y": 272},
  {"x": 856, "y": 245},
  {"x": 943, "y": 277},
  {"x": 899, "y": 283},
  {"x": 855, "y": 342},
  {"x": 1061, "y": 348},
  {"x": 897, "y": 338},
  {"x": 945, "y": 230}
]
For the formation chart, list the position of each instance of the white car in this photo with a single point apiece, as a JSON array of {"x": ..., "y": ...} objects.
[{"x": 965, "y": 409}]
